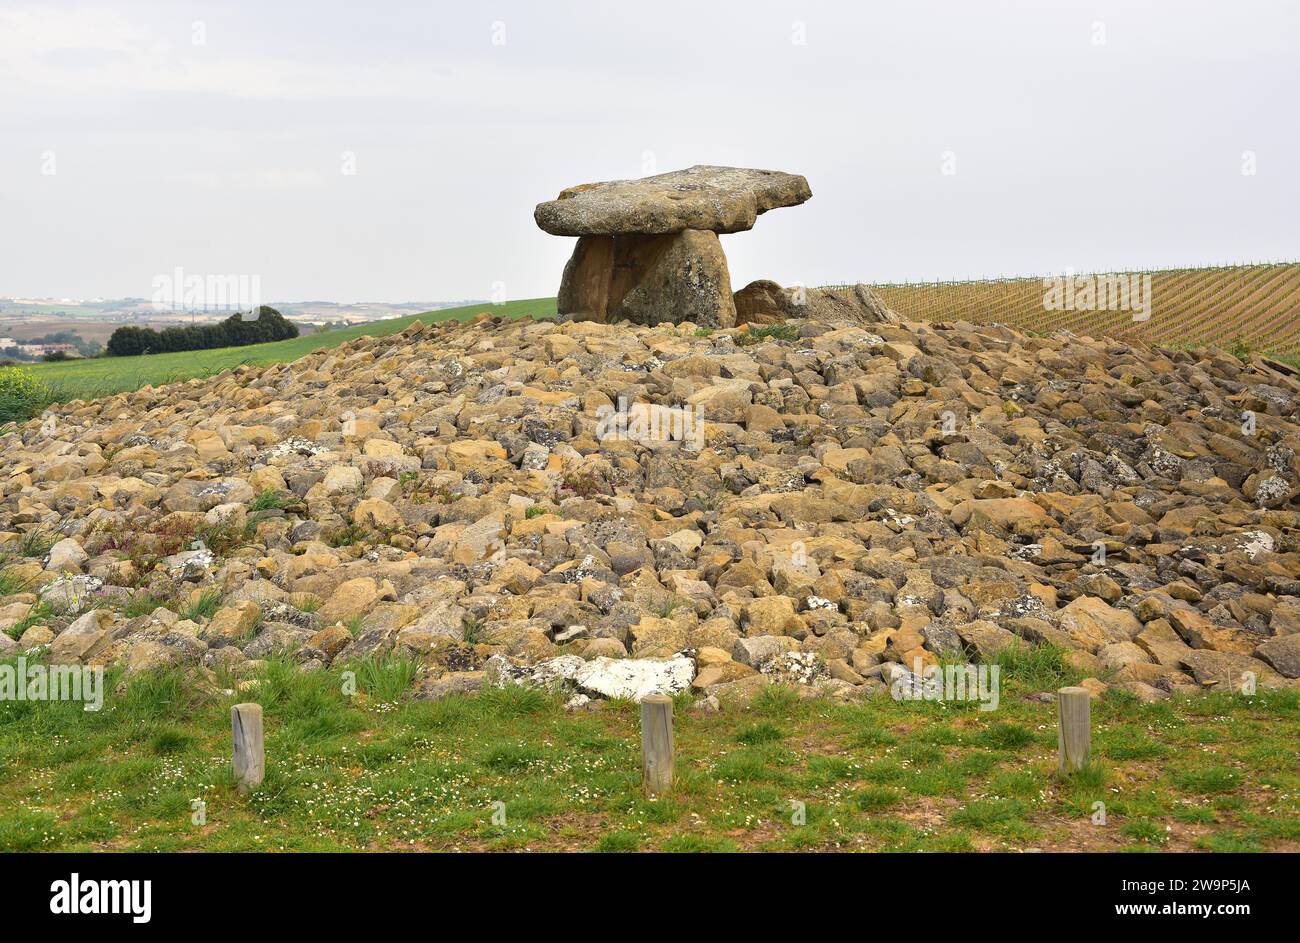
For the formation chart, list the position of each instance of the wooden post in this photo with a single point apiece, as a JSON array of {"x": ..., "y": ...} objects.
[
  {"x": 1074, "y": 732},
  {"x": 657, "y": 744},
  {"x": 249, "y": 748}
]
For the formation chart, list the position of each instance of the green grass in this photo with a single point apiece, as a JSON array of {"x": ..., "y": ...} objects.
[
  {"x": 36, "y": 543},
  {"x": 756, "y": 334},
  {"x": 510, "y": 769},
  {"x": 141, "y": 604},
  {"x": 203, "y": 607},
  {"x": 12, "y": 583},
  {"x": 104, "y": 376}
]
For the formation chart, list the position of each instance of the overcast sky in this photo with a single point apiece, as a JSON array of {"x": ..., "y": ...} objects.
[{"x": 941, "y": 139}]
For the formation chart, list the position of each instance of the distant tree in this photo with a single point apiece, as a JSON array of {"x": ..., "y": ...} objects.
[
  {"x": 260, "y": 326},
  {"x": 131, "y": 341}
]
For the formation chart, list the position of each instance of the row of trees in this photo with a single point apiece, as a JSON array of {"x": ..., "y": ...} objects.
[{"x": 255, "y": 327}]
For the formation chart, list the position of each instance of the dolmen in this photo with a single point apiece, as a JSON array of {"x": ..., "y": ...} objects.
[{"x": 648, "y": 250}]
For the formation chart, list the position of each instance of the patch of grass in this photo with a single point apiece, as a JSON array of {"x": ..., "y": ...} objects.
[
  {"x": 874, "y": 737},
  {"x": 204, "y": 607},
  {"x": 346, "y": 536},
  {"x": 170, "y": 740},
  {"x": 1145, "y": 831},
  {"x": 884, "y": 771},
  {"x": 759, "y": 764},
  {"x": 764, "y": 732},
  {"x": 141, "y": 604},
  {"x": 11, "y": 583},
  {"x": 1195, "y": 815},
  {"x": 513, "y": 757},
  {"x": 669, "y": 607},
  {"x": 1006, "y": 736},
  {"x": 39, "y": 614},
  {"x": 875, "y": 798},
  {"x": 920, "y": 754},
  {"x": 28, "y": 830},
  {"x": 618, "y": 842},
  {"x": 272, "y": 500},
  {"x": 1034, "y": 667},
  {"x": 159, "y": 695},
  {"x": 936, "y": 781},
  {"x": 988, "y": 813},
  {"x": 1129, "y": 744},
  {"x": 512, "y": 701},
  {"x": 1089, "y": 778},
  {"x": 776, "y": 332},
  {"x": 699, "y": 844},
  {"x": 775, "y": 700},
  {"x": 22, "y": 395},
  {"x": 385, "y": 679},
  {"x": 1230, "y": 843},
  {"x": 1021, "y": 783},
  {"x": 584, "y": 484},
  {"x": 977, "y": 762},
  {"x": 1207, "y": 780},
  {"x": 35, "y": 544}
]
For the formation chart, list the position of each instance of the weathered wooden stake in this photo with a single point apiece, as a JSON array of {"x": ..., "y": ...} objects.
[
  {"x": 249, "y": 747},
  {"x": 657, "y": 744},
  {"x": 1074, "y": 733}
]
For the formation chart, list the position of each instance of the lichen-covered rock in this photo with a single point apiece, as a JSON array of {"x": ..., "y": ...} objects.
[
  {"x": 1283, "y": 653},
  {"x": 634, "y": 678},
  {"x": 84, "y": 638}
]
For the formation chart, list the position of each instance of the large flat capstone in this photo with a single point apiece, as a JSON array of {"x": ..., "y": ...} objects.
[{"x": 714, "y": 199}]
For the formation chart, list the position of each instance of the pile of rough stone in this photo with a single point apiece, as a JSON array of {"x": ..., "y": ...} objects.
[{"x": 856, "y": 494}]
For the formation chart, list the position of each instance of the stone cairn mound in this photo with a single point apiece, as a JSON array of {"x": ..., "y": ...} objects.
[
  {"x": 620, "y": 508},
  {"x": 648, "y": 251}
]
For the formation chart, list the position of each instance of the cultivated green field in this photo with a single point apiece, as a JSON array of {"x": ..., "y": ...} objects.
[
  {"x": 378, "y": 771},
  {"x": 104, "y": 376}
]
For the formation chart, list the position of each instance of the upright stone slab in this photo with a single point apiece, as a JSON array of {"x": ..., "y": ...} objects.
[{"x": 648, "y": 280}]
